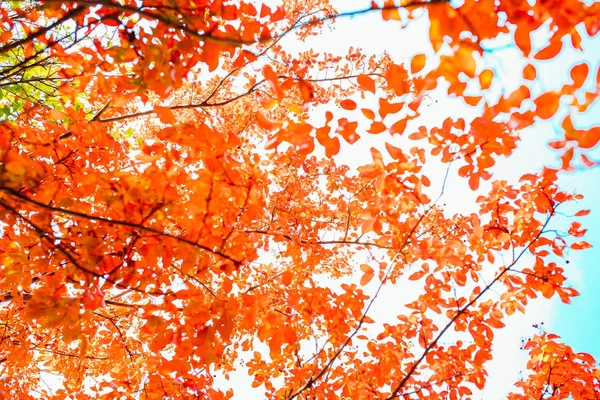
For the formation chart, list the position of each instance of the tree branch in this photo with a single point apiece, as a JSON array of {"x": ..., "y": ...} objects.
[
  {"x": 396, "y": 391},
  {"x": 112, "y": 221},
  {"x": 42, "y": 31}
]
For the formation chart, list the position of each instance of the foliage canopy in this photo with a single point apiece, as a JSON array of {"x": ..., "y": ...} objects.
[{"x": 174, "y": 206}]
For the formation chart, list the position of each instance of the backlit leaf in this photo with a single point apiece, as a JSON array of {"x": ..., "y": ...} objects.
[
  {"x": 417, "y": 63},
  {"x": 348, "y": 104}
]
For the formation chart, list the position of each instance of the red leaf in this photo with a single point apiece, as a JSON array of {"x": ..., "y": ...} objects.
[{"x": 278, "y": 15}]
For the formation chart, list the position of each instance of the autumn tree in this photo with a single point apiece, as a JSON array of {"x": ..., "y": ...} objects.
[{"x": 176, "y": 208}]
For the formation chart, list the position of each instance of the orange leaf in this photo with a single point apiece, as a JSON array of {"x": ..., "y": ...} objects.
[
  {"x": 286, "y": 277},
  {"x": 389, "y": 14},
  {"x": 265, "y": 122},
  {"x": 495, "y": 323},
  {"x": 57, "y": 115},
  {"x": 398, "y": 127},
  {"x": 271, "y": 77},
  {"x": 165, "y": 114},
  {"x": 472, "y": 100},
  {"x": 566, "y": 159},
  {"x": 586, "y": 161},
  {"x": 385, "y": 107},
  {"x": 289, "y": 335},
  {"x": 417, "y": 63},
  {"x": 474, "y": 182},
  {"x": 557, "y": 144},
  {"x": 210, "y": 54},
  {"x": 348, "y": 130},
  {"x": 580, "y": 246},
  {"x": 588, "y": 139},
  {"x": 582, "y": 213},
  {"x": 394, "y": 151},
  {"x": 348, "y": 104},
  {"x": 587, "y": 358},
  {"x": 547, "y": 104},
  {"x": 377, "y": 127},
  {"x": 485, "y": 79},
  {"x": 368, "y": 275},
  {"x": 419, "y": 135},
  {"x": 368, "y": 113},
  {"x": 366, "y": 83},
  {"x": 396, "y": 78},
  {"x": 332, "y": 147},
  {"x": 523, "y": 39},
  {"x": 550, "y": 51},
  {"x": 517, "y": 97},
  {"x": 466, "y": 61},
  {"x": 529, "y": 72},
  {"x": 416, "y": 276},
  {"x": 579, "y": 73}
]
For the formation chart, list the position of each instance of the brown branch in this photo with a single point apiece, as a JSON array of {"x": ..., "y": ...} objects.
[
  {"x": 122, "y": 337},
  {"x": 71, "y": 14},
  {"x": 206, "y": 104},
  {"x": 315, "y": 242},
  {"x": 52, "y": 242},
  {"x": 26, "y": 296},
  {"x": 396, "y": 391},
  {"x": 94, "y": 118},
  {"x": 161, "y": 17},
  {"x": 63, "y": 353},
  {"x": 327, "y": 366},
  {"x": 111, "y": 221}
]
